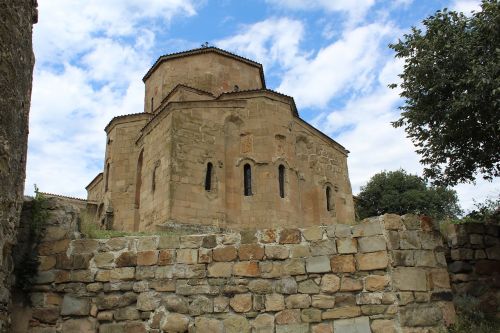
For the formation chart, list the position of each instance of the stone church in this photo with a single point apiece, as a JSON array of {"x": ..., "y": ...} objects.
[{"x": 215, "y": 147}]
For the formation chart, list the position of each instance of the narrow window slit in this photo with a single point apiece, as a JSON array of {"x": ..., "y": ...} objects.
[
  {"x": 247, "y": 179},
  {"x": 281, "y": 180},
  {"x": 208, "y": 177},
  {"x": 328, "y": 198}
]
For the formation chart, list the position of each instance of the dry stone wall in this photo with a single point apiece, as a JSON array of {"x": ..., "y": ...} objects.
[
  {"x": 16, "y": 69},
  {"x": 387, "y": 274},
  {"x": 474, "y": 263}
]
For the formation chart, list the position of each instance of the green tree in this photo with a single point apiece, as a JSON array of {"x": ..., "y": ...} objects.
[
  {"x": 451, "y": 90},
  {"x": 400, "y": 193}
]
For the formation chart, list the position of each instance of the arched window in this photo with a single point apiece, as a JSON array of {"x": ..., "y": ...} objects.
[
  {"x": 208, "y": 177},
  {"x": 247, "y": 179},
  {"x": 328, "y": 198},
  {"x": 106, "y": 182},
  {"x": 281, "y": 180}
]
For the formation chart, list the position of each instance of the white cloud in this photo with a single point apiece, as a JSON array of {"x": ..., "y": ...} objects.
[
  {"x": 465, "y": 6},
  {"x": 274, "y": 41},
  {"x": 346, "y": 64}
]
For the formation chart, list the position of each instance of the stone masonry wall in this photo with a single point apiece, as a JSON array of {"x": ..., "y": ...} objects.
[
  {"x": 474, "y": 263},
  {"x": 387, "y": 274},
  {"x": 16, "y": 70}
]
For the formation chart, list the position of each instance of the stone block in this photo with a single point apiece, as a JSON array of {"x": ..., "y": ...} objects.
[
  {"x": 289, "y": 236},
  {"x": 313, "y": 233},
  {"x": 347, "y": 245},
  {"x": 268, "y": 236},
  {"x": 323, "y": 301},
  {"x": 300, "y": 251},
  {"x": 342, "y": 231},
  {"x": 274, "y": 302},
  {"x": 183, "y": 271},
  {"x": 148, "y": 301},
  {"x": 147, "y": 243},
  {"x": 221, "y": 304},
  {"x": 270, "y": 269},
  {"x": 276, "y": 252},
  {"x": 367, "y": 227},
  {"x": 176, "y": 303},
  {"x": 383, "y": 326},
  {"x": 392, "y": 222},
  {"x": 55, "y": 247},
  {"x": 46, "y": 263},
  {"x": 48, "y": 277},
  {"x": 341, "y": 312},
  {"x": 241, "y": 302},
  {"x": 462, "y": 254},
  {"x": 83, "y": 275},
  {"x": 83, "y": 325},
  {"x": 298, "y": 301},
  {"x": 319, "y": 264},
  {"x": 350, "y": 284},
  {"x": 310, "y": 315},
  {"x": 371, "y": 244},
  {"x": 292, "y": 328},
  {"x": 209, "y": 242},
  {"x": 461, "y": 267},
  {"x": 343, "y": 264},
  {"x": 204, "y": 256},
  {"x": 169, "y": 242},
  {"x": 166, "y": 257},
  {"x": 287, "y": 316},
  {"x": 126, "y": 259},
  {"x": 322, "y": 328},
  {"x": 323, "y": 247},
  {"x": 116, "y": 244},
  {"x": 208, "y": 325},
  {"x": 104, "y": 260},
  {"x": 403, "y": 257},
  {"x": 48, "y": 315},
  {"x": 260, "y": 286},
  {"x": 420, "y": 315},
  {"x": 263, "y": 323},
  {"x": 308, "y": 287},
  {"x": 493, "y": 253},
  {"x": 409, "y": 279},
  {"x": 248, "y": 236},
  {"x": 330, "y": 283},
  {"x": 487, "y": 267},
  {"x": 75, "y": 306},
  {"x": 411, "y": 221},
  {"x": 372, "y": 261},
  {"x": 246, "y": 268},
  {"x": 376, "y": 282},
  {"x": 286, "y": 285},
  {"x": 126, "y": 313},
  {"x": 226, "y": 253},
  {"x": 187, "y": 256},
  {"x": 191, "y": 241},
  {"x": 369, "y": 298},
  {"x": 220, "y": 269},
  {"x": 425, "y": 258},
  {"x": 175, "y": 322},
  {"x": 115, "y": 300},
  {"x": 251, "y": 252},
  {"x": 409, "y": 240},
  {"x": 293, "y": 267},
  {"x": 123, "y": 273},
  {"x": 147, "y": 258},
  {"x": 354, "y": 325},
  {"x": 162, "y": 285},
  {"x": 236, "y": 324}
]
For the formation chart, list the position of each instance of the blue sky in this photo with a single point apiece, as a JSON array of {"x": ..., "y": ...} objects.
[{"x": 330, "y": 55}]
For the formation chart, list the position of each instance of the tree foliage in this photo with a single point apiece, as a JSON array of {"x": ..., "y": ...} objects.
[
  {"x": 451, "y": 90},
  {"x": 400, "y": 193}
]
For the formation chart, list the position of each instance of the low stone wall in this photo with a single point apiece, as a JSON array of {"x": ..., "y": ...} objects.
[
  {"x": 387, "y": 274},
  {"x": 474, "y": 263}
]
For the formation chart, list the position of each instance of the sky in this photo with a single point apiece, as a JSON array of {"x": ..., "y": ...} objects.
[{"x": 332, "y": 56}]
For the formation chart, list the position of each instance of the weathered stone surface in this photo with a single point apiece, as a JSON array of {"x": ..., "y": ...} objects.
[
  {"x": 84, "y": 325},
  {"x": 298, "y": 301},
  {"x": 275, "y": 302},
  {"x": 293, "y": 267},
  {"x": 241, "y": 302},
  {"x": 115, "y": 300},
  {"x": 75, "y": 306},
  {"x": 221, "y": 304},
  {"x": 166, "y": 257},
  {"x": 246, "y": 268},
  {"x": 292, "y": 328},
  {"x": 367, "y": 227},
  {"x": 268, "y": 236},
  {"x": 200, "y": 305},
  {"x": 148, "y": 301},
  {"x": 308, "y": 287},
  {"x": 372, "y": 261},
  {"x": 286, "y": 285},
  {"x": 410, "y": 279},
  {"x": 320, "y": 264},
  {"x": 343, "y": 264},
  {"x": 126, "y": 313},
  {"x": 355, "y": 325},
  {"x": 310, "y": 315},
  {"x": 251, "y": 252},
  {"x": 277, "y": 252},
  {"x": 287, "y": 316},
  {"x": 342, "y": 312},
  {"x": 126, "y": 259},
  {"x": 350, "y": 284},
  {"x": 371, "y": 244},
  {"x": 208, "y": 325},
  {"x": 175, "y": 323},
  {"x": 147, "y": 243},
  {"x": 220, "y": 269},
  {"x": 421, "y": 315},
  {"x": 376, "y": 282},
  {"x": 263, "y": 323},
  {"x": 187, "y": 256},
  {"x": 169, "y": 242},
  {"x": 409, "y": 240},
  {"x": 236, "y": 324},
  {"x": 322, "y": 328},
  {"x": 176, "y": 303},
  {"x": 260, "y": 286},
  {"x": 323, "y": 301},
  {"x": 300, "y": 251},
  {"x": 104, "y": 260},
  {"x": 330, "y": 283},
  {"x": 289, "y": 236},
  {"x": 313, "y": 233},
  {"x": 48, "y": 315},
  {"x": 148, "y": 258},
  {"x": 347, "y": 245},
  {"x": 226, "y": 253},
  {"x": 323, "y": 247}
]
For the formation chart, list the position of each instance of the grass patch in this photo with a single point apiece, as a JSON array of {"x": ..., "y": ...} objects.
[{"x": 471, "y": 319}]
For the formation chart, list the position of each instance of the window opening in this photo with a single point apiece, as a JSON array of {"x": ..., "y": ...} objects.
[
  {"x": 328, "y": 198},
  {"x": 106, "y": 184},
  {"x": 138, "y": 181},
  {"x": 208, "y": 177},
  {"x": 281, "y": 180},
  {"x": 247, "y": 179},
  {"x": 152, "y": 99}
]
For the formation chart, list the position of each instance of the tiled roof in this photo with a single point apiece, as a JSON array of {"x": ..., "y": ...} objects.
[
  {"x": 62, "y": 196},
  {"x": 124, "y": 116},
  {"x": 201, "y": 51}
]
